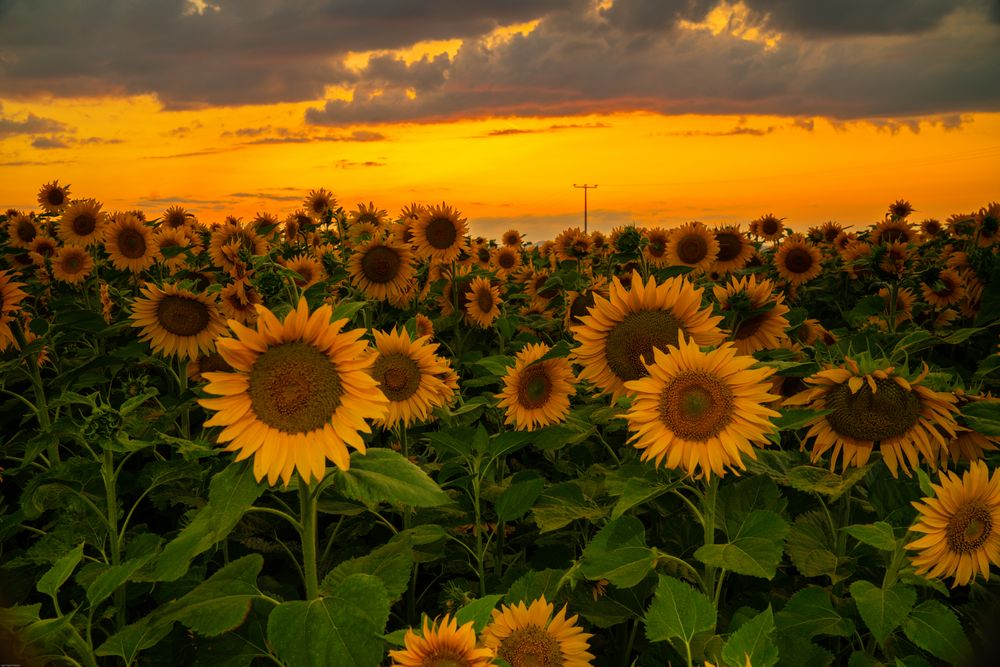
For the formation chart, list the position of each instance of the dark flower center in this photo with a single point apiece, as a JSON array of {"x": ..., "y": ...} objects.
[
  {"x": 696, "y": 405},
  {"x": 399, "y": 376},
  {"x": 798, "y": 260},
  {"x": 531, "y": 646},
  {"x": 131, "y": 243},
  {"x": 294, "y": 388},
  {"x": 84, "y": 224},
  {"x": 730, "y": 246},
  {"x": 692, "y": 248},
  {"x": 181, "y": 315},
  {"x": 441, "y": 233},
  {"x": 630, "y": 344},
  {"x": 969, "y": 527},
  {"x": 380, "y": 264},
  {"x": 874, "y": 416},
  {"x": 535, "y": 386}
]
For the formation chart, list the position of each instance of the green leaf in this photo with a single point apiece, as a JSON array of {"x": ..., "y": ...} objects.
[
  {"x": 558, "y": 436},
  {"x": 534, "y": 585},
  {"x": 934, "y": 627},
  {"x": 221, "y": 602},
  {"x": 821, "y": 480},
  {"x": 132, "y": 640},
  {"x": 51, "y": 581},
  {"x": 114, "y": 576},
  {"x": 342, "y": 630},
  {"x": 392, "y": 563},
  {"x": 230, "y": 495},
  {"x": 882, "y": 610},
  {"x": 809, "y": 613},
  {"x": 619, "y": 553},
  {"x": 562, "y": 504},
  {"x": 792, "y": 419},
  {"x": 480, "y": 612},
  {"x": 517, "y": 499},
  {"x": 810, "y": 547},
  {"x": 496, "y": 365},
  {"x": 740, "y": 500},
  {"x": 755, "y": 550},
  {"x": 878, "y": 535},
  {"x": 796, "y": 650},
  {"x": 678, "y": 611},
  {"x": 383, "y": 475},
  {"x": 346, "y": 309},
  {"x": 982, "y": 416},
  {"x": 753, "y": 643}
]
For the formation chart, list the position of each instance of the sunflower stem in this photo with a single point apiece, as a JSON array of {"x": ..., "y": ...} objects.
[
  {"x": 108, "y": 475},
  {"x": 182, "y": 385},
  {"x": 893, "y": 290},
  {"x": 307, "y": 518},
  {"x": 38, "y": 389},
  {"x": 708, "y": 522}
]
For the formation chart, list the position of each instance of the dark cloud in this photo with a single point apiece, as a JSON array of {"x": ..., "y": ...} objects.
[
  {"x": 856, "y": 17},
  {"x": 265, "y": 195},
  {"x": 350, "y": 164},
  {"x": 508, "y": 131},
  {"x": 49, "y": 142},
  {"x": 284, "y": 135},
  {"x": 31, "y": 124}
]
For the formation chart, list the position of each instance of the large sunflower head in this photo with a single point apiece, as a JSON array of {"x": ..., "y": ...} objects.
[
  {"x": 692, "y": 245},
  {"x": 299, "y": 395},
  {"x": 11, "y": 296},
  {"x": 505, "y": 260},
  {"x": 318, "y": 203},
  {"x": 72, "y": 264},
  {"x": 442, "y": 644},
  {"x": 381, "y": 268},
  {"x": 482, "y": 302},
  {"x": 173, "y": 240},
  {"x": 529, "y": 636},
  {"x": 129, "y": 243},
  {"x": 440, "y": 233},
  {"x": 22, "y": 230},
  {"x": 82, "y": 222},
  {"x": 960, "y": 526},
  {"x": 53, "y": 197},
  {"x": 899, "y": 209},
  {"x": 931, "y": 228},
  {"x": 701, "y": 411},
  {"x": 735, "y": 249},
  {"x": 797, "y": 260},
  {"x": 177, "y": 322},
  {"x": 619, "y": 335},
  {"x": 409, "y": 374},
  {"x": 873, "y": 405},
  {"x": 536, "y": 392},
  {"x": 758, "y": 314},
  {"x": 43, "y": 247},
  {"x": 768, "y": 227}
]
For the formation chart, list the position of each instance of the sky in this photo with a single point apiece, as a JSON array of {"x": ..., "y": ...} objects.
[{"x": 677, "y": 110}]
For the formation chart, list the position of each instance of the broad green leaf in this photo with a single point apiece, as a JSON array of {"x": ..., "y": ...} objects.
[
  {"x": 562, "y": 504},
  {"x": 496, "y": 365},
  {"x": 480, "y": 612},
  {"x": 17, "y": 615},
  {"x": 755, "y": 550},
  {"x": 882, "y": 610},
  {"x": 878, "y": 535},
  {"x": 753, "y": 643},
  {"x": 809, "y": 613},
  {"x": 133, "y": 639},
  {"x": 821, "y": 480},
  {"x": 520, "y": 495},
  {"x": 796, "y": 650},
  {"x": 508, "y": 442},
  {"x": 534, "y": 585},
  {"x": 221, "y": 602},
  {"x": 934, "y": 627},
  {"x": 637, "y": 491},
  {"x": 678, "y": 611},
  {"x": 810, "y": 547},
  {"x": 342, "y": 630},
  {"x": 792, "y": 419},
  {"x": 51, "y": 581},
  {"x": 608, "y": 606},
  {"x": 982, "y": 416},
  {"x": 558, "y": 436},
  {"x": 738, "y": 501},
  {"x": 383, "y": 475},
  {"x": 230, "y": 494},
  {"x": 392, "y": 563},
  {"x": 623, "y": 567},
  {"x": 114, "y": 576}
]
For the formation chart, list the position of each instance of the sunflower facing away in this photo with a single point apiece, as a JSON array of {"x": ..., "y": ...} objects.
[
  {"x": 876, "y": 407},
  {"x": 960, "y": 526},
  {"x": 82, "y": 222},
  {"x": 177, "y": 322},
  {"x": 442, "y": 644},
  {"x": 300, "y": 394},
  {"x": 440, "y": 233},
  {"x": 692, "y": 245},
  {"x": 409, "y": 374},
  {"x": 129, "y": 243},
  {"x": 760, "y": 314},
  {"x": 701, "y": 411},
  {"x": 381, "y": 268},
  {"x": 617, "y": 338},
  {"x": 529, "y": 636},
  {"x": 71, "y": 264},
  {"x": 797, "y": 261},
  {"x": 482, "y": 302},
  {"x": 11, "y": 296},
  {"x": 536, "y": 393}
]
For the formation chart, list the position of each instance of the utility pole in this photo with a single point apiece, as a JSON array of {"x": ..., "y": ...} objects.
[{"x": 584, "y": 188}]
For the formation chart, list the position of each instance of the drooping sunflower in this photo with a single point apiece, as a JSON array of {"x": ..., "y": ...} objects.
[
  {"x": 692, "y": 245},
  {"x": 53, "y": 197},
  {"x": 505, "y": 261},
  {"x": 797, "y": 261},
  {"x": 811, "y": 330},
  {"x": 960, "y": 526},
  {"x": 482, "y": 302},
  {"x": 11, "y": 296},
  {"x": 701, "y": 411},
  {"x": 655, "y": 249},
  {"x": 129, "y": 243},
  {"x": 528, "y": 636},
  {"x": 536, "y": 393},
  {"x": 239, "y": 302},
  {"x": 309, "y": 268},
  {"x": 442, "y": 644},
  {"x": 760, "y": 313},
  {"x": 512, "y": 238},
  {"x": 300, "y": 393},
  {"x": 232, "y": 232},
  {"x": 945, "y": 290},
  {"x": 876, "y": 407},
  {"x": 891, "y": 230},
  {"x": 177, "y": 322},
  {"x": 82, "y": 222},
  {"x": 767, "y": 227},
  {"x": 619, "y": 335},
  {"x": 72, "y": 264},
  {"x": 735, "y": 249},
  {"x": 969, "y": 445},
  {"x": 409, "y": 374},
  {"x": 440, "y": 233},
  {"x": 381, "y": 268},
  {"x": 22, "y": 230},
  {"x": 318, "y": 203}
]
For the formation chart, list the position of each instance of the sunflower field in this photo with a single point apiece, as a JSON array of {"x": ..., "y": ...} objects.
[{"x": 353, "y": 439}]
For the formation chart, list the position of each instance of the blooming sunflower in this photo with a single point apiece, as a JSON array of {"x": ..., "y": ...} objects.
[
  {"x": 22, "y": 230},
  {"x": 945, "y": 290},
  {"x": 423, "y": 326},
  {"x": 899, "y": 209},
  {"x": 177, "y": 322},
  {"x": 759, "y": 312},
  {"x": 619, "y": 335},
  {"x": 82, "y": 222},
  {"x": 528, "y": 636},
  {"x": 536, "y": 393},
  {"x": 43, "y": 247},
  {"x": 655, "y": 249},
  {"x": 958, "y": 523},
  {"x": 53, "y": 197},
  {"x": 442, "y": 644},
  {"x": 767, "y": 227},
  {"x": 367, "y": 219},
  {"x": 482, "y": 303},
  {"x": 735, "y": 249},
  {"x": 229, "y": 233},
  {"x": 872, "y": 407},
  {"x": 506, "y": 260},
  {"x": 931, "y": 228},
  {"x": 11, "y": 296},
  {"x": 904, "y": 306},
  {"x": 988, "y": 225},
  {"x": 891, "y": 230},
  {"x": 318, "y": 203},
  {"x": 440, "y": 233},
  {"x": 535, "y": 285},
  {"x": 296, "y": 223},
  {"x": 381, "y": 268},
  {"x": 129, "y": 243},
  {"x": 512, "y": 238},
  {"x": 177, "y": 217},
  {"x": 239, "y": 302},
  {"x": 71, "y": 264},
  {"x": 409, "y": 374},
  {"x": 797, "y": 261},
  {"x": 300, "y": 393},
  {"x": 572, "y": 245},
  {"x": 166, "y": 238},
  {"x": 700, "y": 411},
  {"x": 309, "y": 268},
  {"x": 692, "y": 245}
]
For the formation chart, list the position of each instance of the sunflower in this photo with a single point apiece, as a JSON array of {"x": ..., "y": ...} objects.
[
  {"x": 527, "y": 636},
  {"x": 829, "y": 231},
  {"x": 409, "y": 374},
  {"x": 53, "y": 197},
  {"x": 767, "y": 227},
  {"x": 958, "y": 524},
  {"x": 843, "y": 240},
  {"x": 811, "y": 331},
  {"x": 988, "y": 225},
  {"x": 506, "y": 260},
  {"x": 239, "y": 302},
  {"x": 655, "y": 249},
  {"x": 300, "y": 394},
  {"x": 209, "y": 363},
  {"x": 700, "y": 411},
  {"x": 129, "y": 243},
  {"x": 899, "y": 209},
  {"x": 479, "y": 250},
  {"x": 512, "y": 238},
  {"x": 797, "y": 261},
  {"x": 381, "y": 268},
  {"x": 931, "y": 228},
  {"x": 232, "y": 232},
  {"x": 296, "y": 224},
  {"x": 619, "y": 335},
  {"x": 760, "y": 313},
  {"x": 82, "y": 222},
  {"x": 904, "y": 306},
  {"x": 579, "y": 303},
  {"x": 309, "y": 268},
  {"x": 71, "y": 264},
  {"x": 872, "y": 407},
  {"x": 535, "y": 285},
  {"x": 482, "y": 302},
  {"x": 43, "y": 247},
  {"x": 11, "y": 296},
  {"x": 442, "y": 644},
  {"x": 536, "y": 393},
  {"x": 735, "y": 249},
  {"x": 855, "y": 255},
  {"x": 572, "y": 245},
  {"x": 891, "y": 230},
  {"x": 177, "y": 322},
  {"x": 945, "y": 290},
  {"x": 692, "y": 245},
  {"x": 166, "y": 238},
  {"x": 367, "y": 219},
  {"x": 177, "y": 217},
  {"x": 439, "y": 233},
  {"x": 22, "y": 230},
  {"x": 318, "y": 203}
]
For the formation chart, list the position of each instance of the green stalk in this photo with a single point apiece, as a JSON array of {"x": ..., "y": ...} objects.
[
  {"x": 708, "y": 522},
  {"x": 41, "y": 404},
  {"x": 110, "y": 493},
  {"x": 307, "y": 518},
  {"x": 182, "y": 385}
]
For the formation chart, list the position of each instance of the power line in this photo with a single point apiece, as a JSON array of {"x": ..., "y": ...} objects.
[{"x": 584, "y": 188}]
